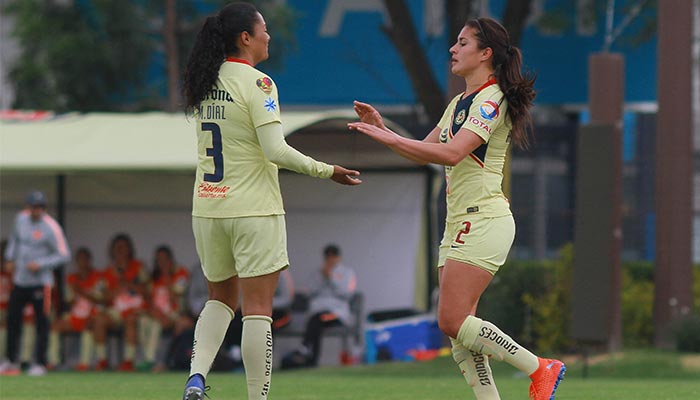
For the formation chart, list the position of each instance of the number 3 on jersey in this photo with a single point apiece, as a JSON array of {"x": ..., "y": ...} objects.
[{"x": 215, "y": 152}]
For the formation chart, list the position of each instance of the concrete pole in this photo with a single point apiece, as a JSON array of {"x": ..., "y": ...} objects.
[
  {"x": 606, "y": 100},
  {"x": 674, "y": 169}
]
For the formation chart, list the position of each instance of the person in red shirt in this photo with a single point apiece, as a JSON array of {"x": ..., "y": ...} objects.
[
  {"x": 165, "y": 294},
  {"x": 125, "y": 280},
  {"x": 85, "y": 293}
]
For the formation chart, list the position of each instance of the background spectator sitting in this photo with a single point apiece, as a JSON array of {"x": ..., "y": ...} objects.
[
  {"x": 85, "y": 291},
  {"x": 179, "y": 352},
  {"x": 125, "y": 279},
  {"x": 329, "y": 306},
  {"x": 165, "y": 299}
]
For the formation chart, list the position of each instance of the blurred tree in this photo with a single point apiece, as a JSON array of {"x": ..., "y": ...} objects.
[
  {"x": 184, "y": 18},
  {"x": 77, "y": 55},
  {"x": 99, "y": 55},
  {"x": 172, "y": 54}
]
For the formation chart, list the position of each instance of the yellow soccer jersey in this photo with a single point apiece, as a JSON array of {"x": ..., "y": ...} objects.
[
  {"x": 474, "y": 185},
  {"x": 234, "y": 178}
]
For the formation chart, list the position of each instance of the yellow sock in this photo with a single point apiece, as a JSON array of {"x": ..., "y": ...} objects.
[
  {"x": 485, "y": 338},
  {"x": 53, "y": 354},
  {"x": 256, "y": 349},
  {"x": 129, "y": 352},
  {"x": 476, "y": 371},
  {"x": 143, "y": 327},
  {"x": 27, "y": 346},
  {"x": 151, "y": 343},
  {"x": 86, "y": 347},
  {"x": 208, "y": 335},
  {"x": 101, "y": 351},
  {"x": 3, "y": 343}
]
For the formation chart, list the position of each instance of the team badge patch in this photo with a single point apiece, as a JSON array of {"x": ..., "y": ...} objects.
[
  {"x": 461, "y": 115},
  {"x": 270, "y": 104},
  {"x": 489, "y": 110},
  {"x": 265, "y": 84}
]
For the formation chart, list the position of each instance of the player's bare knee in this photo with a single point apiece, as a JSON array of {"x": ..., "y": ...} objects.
[
  {"x": 224, "y": 297},
  {"x": 448, "y": 326}
]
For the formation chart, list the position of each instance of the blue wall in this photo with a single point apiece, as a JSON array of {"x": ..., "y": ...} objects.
[{"x": 359, "y": 62}]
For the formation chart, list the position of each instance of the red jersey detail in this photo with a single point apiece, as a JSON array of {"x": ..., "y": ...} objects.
[
  {"x": 82, "y": 307},
  {"x": 485, "y": 85},
  {"x": 476, "y": 159},
  {"x": 125, "y": 302},
  {"x": 131, "y": 273},
  {"x": 238, "y": 60},
  {"x": 164, "y": 290}
]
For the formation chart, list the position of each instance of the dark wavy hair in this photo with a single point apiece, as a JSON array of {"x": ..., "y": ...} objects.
[
  {"x": 119, "y": 237},
  {"x": 507, "y": 61},
  {"x": 215, "y": 41},
  {"x": 83, "y": 250},
  {"x": 156, "y": 273}
]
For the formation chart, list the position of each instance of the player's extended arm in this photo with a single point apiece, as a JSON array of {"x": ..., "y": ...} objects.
[
  {"x": 439, "y": 153},
  {"x": 276, "y": 149},
  {"x": 433, "y": 137},
  {"x": 369, "y": 115}
]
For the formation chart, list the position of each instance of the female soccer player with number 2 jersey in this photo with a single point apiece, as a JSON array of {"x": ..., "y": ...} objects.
[
  {"x": 471, "y": 141},
  {"x": 237, "y": 216}
]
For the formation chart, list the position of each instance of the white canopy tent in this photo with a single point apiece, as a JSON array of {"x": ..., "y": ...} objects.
[{"x": 133, "y": 173}]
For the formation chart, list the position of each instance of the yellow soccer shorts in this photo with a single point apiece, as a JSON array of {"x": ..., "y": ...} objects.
[
  {"x": 483, "y": 242},
  {"x": 243, "y": 246}
]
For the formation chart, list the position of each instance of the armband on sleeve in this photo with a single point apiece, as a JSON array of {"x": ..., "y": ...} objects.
[{"x": 277, "y": 150}]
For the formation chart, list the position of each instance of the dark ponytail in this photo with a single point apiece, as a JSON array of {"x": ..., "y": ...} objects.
[
  {"x": 507, "y": 68},
  {"x": 215, "y": 41}
]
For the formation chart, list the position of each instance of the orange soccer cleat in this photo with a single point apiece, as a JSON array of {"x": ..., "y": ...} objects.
[{"x": 546, "y": 378}]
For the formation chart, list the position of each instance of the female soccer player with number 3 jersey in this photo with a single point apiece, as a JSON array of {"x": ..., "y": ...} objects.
[
  {"x": 471, "y": 141},
  {"x": 237, "y": 216}
]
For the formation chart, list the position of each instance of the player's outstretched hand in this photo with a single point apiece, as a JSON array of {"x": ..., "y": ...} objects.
[
  {"x": 368, "y": 114},
  {"x": 383, "y": 136},
  {"x": 345, "y": 176}
]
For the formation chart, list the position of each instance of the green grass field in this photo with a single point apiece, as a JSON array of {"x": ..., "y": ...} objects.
[{"x": 634, "y": 376}]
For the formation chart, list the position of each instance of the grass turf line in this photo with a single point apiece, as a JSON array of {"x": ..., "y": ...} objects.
[{"x": 634, "y": 376}]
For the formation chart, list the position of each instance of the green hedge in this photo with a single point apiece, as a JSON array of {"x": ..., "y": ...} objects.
[{"x": 530, "y": 300}]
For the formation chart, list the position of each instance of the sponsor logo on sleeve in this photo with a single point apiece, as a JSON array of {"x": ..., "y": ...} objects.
[
  {"x": 481, "y": 124},
  {"x": 270, "y": 104},
  {"x": 489, "y": 110},
  {"x": 265, "y": 84}
]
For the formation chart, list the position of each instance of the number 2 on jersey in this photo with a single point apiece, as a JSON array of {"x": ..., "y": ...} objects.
[
  {"x": 467, "y": 228},
  {"x": 215, "y": 152}
]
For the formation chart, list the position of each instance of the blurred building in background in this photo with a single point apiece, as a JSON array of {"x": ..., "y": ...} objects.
[{"x": 341, "y": 54}]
